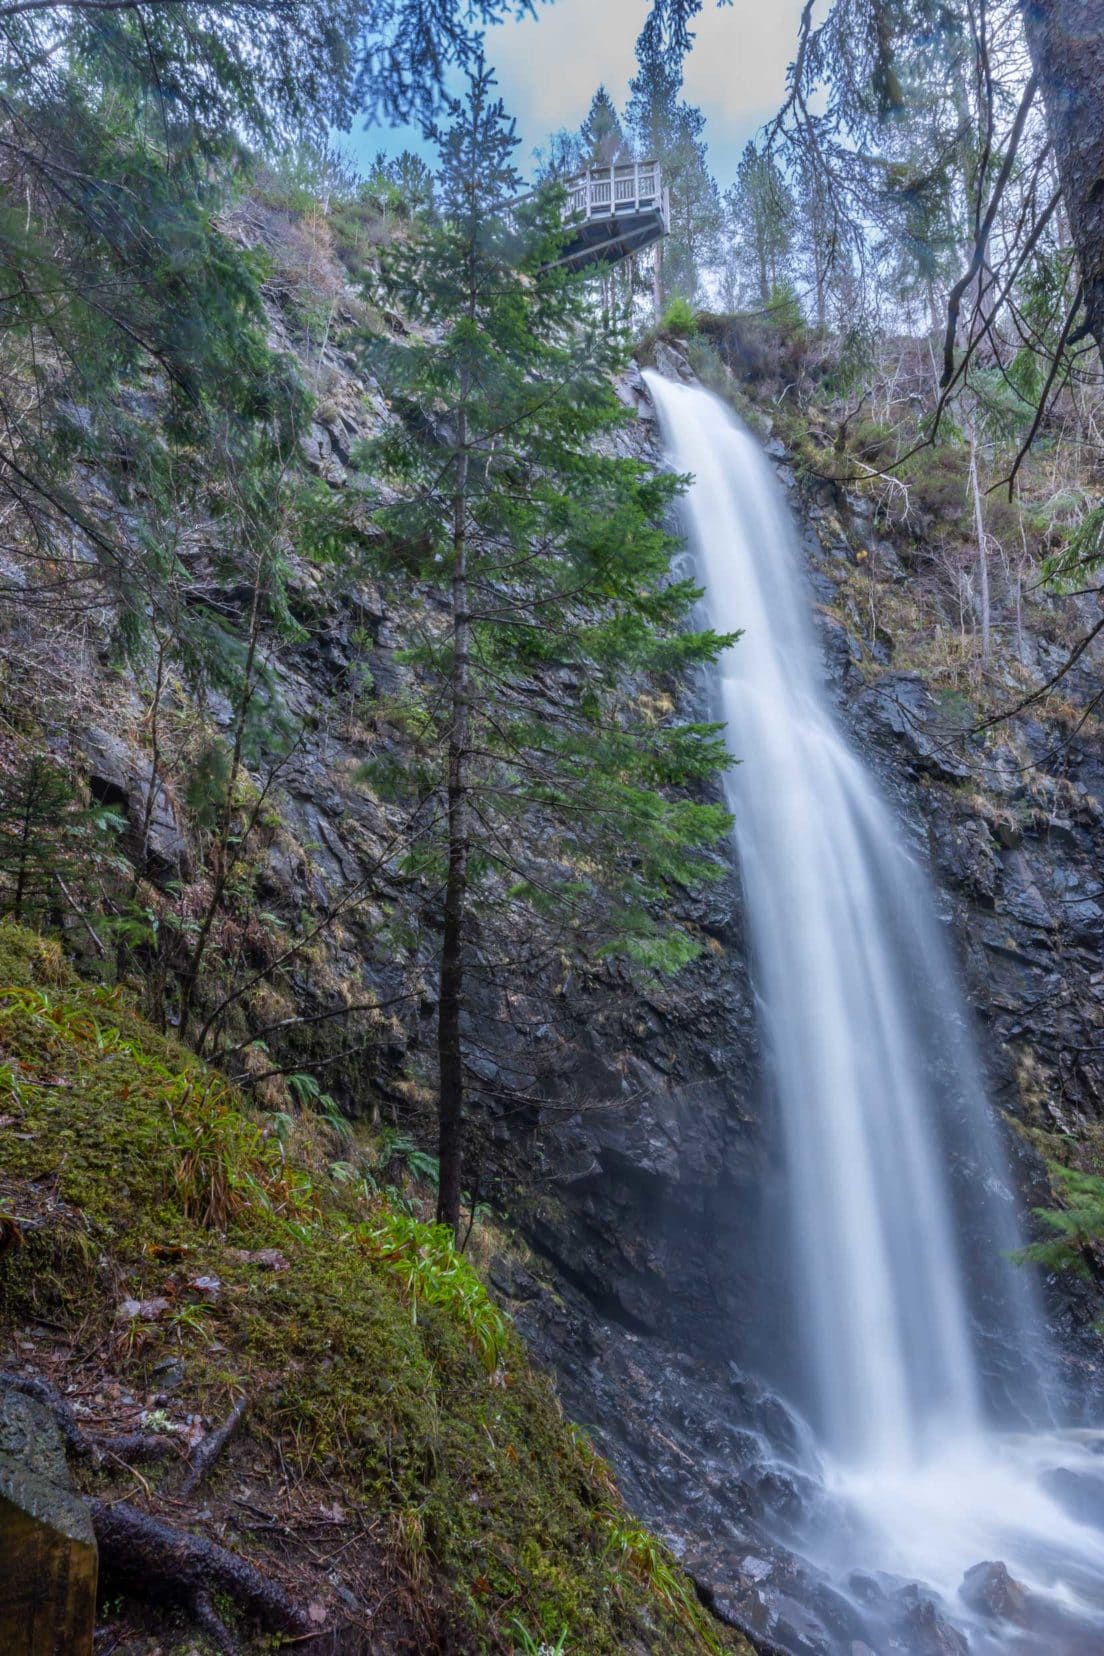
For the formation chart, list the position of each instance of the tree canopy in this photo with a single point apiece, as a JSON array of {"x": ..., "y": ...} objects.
[{"x": 546, "y": 573}]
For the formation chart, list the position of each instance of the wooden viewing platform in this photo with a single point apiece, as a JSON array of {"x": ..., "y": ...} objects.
[{"x": 614, "y": 212}]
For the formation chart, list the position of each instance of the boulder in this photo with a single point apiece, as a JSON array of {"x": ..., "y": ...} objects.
[
  {"x": 672, "y": 364},
  {"x": 1081, "y": 1494},
  {"x": 925, "y": 1630},
  {"x": 989, "y": 1590}
]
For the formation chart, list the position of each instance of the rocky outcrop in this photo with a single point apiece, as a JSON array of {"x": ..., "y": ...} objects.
[{"x": 121, "y": 776}]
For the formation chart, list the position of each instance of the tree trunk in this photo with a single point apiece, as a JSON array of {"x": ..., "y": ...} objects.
[
  {"x": 24, "y": 847},
  {"x": 154, "y": 783},
  {"x": 1066, "y": 41},
  {"x": 224, "y": 860},
  {"x": 657, "y": 280},
  {"x": 983, "y": 549},
  {"x": 450, "y": 1055},
  {"x": 764, "y": 279}
]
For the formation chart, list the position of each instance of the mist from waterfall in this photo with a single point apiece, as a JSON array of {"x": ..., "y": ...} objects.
[{"x": 920, "y": 1344}]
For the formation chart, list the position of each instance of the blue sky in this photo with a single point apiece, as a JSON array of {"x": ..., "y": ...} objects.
[{"x": 549, "y": 67}]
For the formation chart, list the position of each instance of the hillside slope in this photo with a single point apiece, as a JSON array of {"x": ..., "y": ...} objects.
[{"x": 401, "y": 1472}]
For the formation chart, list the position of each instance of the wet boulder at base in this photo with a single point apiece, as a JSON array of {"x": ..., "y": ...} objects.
[{"x": 991, "y": 1591}]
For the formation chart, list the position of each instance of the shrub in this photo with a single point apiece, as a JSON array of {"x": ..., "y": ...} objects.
[
  {"x": 680, "y": 317},
  {"x": 425, "y": 1260}
]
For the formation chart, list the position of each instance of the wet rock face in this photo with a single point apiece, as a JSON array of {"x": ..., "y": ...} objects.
[
  {"x": 626, "y": 1127},
  {"x": 707, "y": 1455},
  {"x": 1078, "y": 1494},
  {"x": 121, "y": 777},
  {"x": 902, "y": 705},
  {"x": 660, "y": 1240},
  {"x": 672, "y": 364},
  {"x": 652, "y": 1154}
]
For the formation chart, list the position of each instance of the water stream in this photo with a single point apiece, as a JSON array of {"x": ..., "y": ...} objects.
[{"x": 921, "y": 1359}]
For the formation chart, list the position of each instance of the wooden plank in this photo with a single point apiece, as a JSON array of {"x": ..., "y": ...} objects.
[
  {"x": 609, "y": 239},
  {"x": 48, "y": 1562}
]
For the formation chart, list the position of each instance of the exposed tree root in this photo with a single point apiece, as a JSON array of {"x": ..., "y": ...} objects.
[
  {"x": 156, "y": 1560},
  {"x": 129, "y": 1446},
  {"x": 208, "y": 1450},
  {"x": 162, "y": 1563}
]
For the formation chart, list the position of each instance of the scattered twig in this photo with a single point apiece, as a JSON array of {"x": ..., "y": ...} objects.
[{"x": 80, "y": 914}]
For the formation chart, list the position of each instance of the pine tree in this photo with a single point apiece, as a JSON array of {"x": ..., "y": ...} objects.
[
  {"x": 814, "y": 243},
  {"x": 760, "y": 221},
  {"x": 544, "y": 575},
  {"x": 400, "y": 186},
  {"x": 925, "y": 230},
  {"x": 560, "y": 157},
  {"x": 46, "y": 834},
  {"x": 666, "y": 129},
  {"x": 603, "y": 138}
]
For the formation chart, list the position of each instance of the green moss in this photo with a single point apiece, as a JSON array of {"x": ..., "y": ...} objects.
[{"x": 375, "y": 1358}]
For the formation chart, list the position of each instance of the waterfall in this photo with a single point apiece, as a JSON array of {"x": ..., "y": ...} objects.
[{"x": 920, "y": 1342}]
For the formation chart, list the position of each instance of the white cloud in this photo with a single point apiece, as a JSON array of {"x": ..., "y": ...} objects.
[
  {"x": 550, "y": 65},
  {"x": 555, "y": 60}
]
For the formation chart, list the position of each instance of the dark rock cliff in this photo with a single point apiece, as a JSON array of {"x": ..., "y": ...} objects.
[
  {"x": 623, "y": 1127},
  {"x": 663, "y": 1301}
]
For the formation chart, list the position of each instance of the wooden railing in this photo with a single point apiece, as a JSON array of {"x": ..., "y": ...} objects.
[{"x": 625, "y": 187}]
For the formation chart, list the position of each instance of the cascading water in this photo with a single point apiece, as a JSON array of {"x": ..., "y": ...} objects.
[{"x": 921, "y": 1343}]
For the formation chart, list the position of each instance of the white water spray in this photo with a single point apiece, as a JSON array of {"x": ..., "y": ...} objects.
[{"x": 900, "y": 1277}]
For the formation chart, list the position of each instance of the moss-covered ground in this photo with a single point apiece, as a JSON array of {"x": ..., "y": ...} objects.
[{"x": 403, "y": 1468}]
